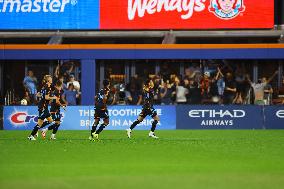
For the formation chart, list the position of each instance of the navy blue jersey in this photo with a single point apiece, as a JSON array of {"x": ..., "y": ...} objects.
[
  {"x": 101, "y": 100},
  {"x": 42, "y": 102},
  {"x": 55, "y": 107},
  {"x": 148, "y": 98}
]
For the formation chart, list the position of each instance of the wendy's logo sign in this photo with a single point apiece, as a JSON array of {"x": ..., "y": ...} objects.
[
  {"x": 226, "y": 9},
  {"x": 185, "y": 8}
]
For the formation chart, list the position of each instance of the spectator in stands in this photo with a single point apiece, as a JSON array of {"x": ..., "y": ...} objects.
[
  {"x": 58, "y": 76},
  {"x": 259, "y": 89},
  {"x": 194, "y": 93},
  {"x": 64, "y": 86},
  {"x": 240, "y": 78},
  {"x": 30, "y": 83},
  {"x": 230, "y": 89},
  {"x": 238, "y": 99},
  {"x": 220, "y": 82},
  {"x": 26, "y": 99},
  {"x": 248, "y": 92},
  {"x": 157, "y": 88},
  {"x": 122, "y": 96},
  {"x": 71, "y": 95},
  {"x": 165, "y": 93},
  {"x": 213, "y": 89},
  {"x": 193, "y": 72},
  {"x": 204, "y": 85},
  {"x": 135, "y": 95},
  {"x": 75, "y": 83},
  {"x": 66, "y": 68},
  {"x": 181, "y": 92},
  {"x": 268, "y": 91}
]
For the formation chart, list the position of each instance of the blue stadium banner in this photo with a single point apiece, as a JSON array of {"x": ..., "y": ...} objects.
[
  {"x": 49, "y": 14},
  {"x": 219, "y": 117},
  {"x": 81, "y": 117},
  {"x": 274, "y": 117}
]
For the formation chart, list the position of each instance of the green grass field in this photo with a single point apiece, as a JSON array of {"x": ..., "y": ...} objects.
[{"x": 179, "y": 159}]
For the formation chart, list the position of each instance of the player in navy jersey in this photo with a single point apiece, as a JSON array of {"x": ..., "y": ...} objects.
[
  {"x": 101, "y": 111},
  {"x": 147, "y": 109},
  {"x": 44, "y": 96},
  {"x": 55, "y": 110}
]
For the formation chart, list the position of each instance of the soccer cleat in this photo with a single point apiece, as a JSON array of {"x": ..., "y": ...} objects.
[
  {"x": 96, "y": 136},
  {"x": 31, "y": 138},
  {"x": 128, "y": 132},
  {"x": 43, "y": 133},
  {"x": 52, "y": 137},
  {"x": 152, "y": 135}
]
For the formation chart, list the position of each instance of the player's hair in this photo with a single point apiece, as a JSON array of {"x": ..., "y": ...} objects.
[
  {"x": 105, "y": 82},
  {"x": 58, "y": 83},
  {"x": 147, "y": 81},
  {"x": 45, "y": 79}
]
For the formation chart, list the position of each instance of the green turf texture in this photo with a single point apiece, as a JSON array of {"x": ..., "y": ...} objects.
[{"x": 196, "y": 159}]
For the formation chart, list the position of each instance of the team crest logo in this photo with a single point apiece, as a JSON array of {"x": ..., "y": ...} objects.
[{"x": 227, "y": 9}]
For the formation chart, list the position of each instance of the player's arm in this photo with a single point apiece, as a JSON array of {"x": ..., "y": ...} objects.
[
  {"x": 47, "y": 95},
  {"x": 105, "y": 96},
  {"x": 231, "y": 89},
  {"x": 270, "y": 79},
  {"x": 139, "y": 99}
]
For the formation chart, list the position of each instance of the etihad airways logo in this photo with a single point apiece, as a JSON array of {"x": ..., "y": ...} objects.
[
  {"x": 224, "y": 9},
  {"x": 34, "y": 6}
]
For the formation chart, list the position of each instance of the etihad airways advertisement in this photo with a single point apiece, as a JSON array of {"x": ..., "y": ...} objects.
[{"x": 136, "y": 14}]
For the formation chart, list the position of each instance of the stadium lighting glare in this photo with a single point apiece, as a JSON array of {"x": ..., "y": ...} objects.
[{"x": 55, "y": 39}]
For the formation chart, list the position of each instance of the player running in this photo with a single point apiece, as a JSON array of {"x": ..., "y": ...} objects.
[
  {"x": 44, "y": 97},
  {"x": 147, "y": 109},
  {"x": 101, "y": 111},
  {"x": 55, "y": 110}
]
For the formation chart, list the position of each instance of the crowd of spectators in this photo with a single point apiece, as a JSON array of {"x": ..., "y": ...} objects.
[
  {"x": 64, "y": 71},
  {"x": 220, "y": 85}
]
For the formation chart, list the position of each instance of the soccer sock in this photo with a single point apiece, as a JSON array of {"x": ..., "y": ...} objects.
[
  {"x": 154, "y": 124},
  {"x": 55, "y": 129},
  {"x": 94, "y": 128},
  {"x": 52, "y": 126},
  {"x": 35, "y": 130},
  {"x": 134, "y": 124},
  {"x": 101, "y": 128}
]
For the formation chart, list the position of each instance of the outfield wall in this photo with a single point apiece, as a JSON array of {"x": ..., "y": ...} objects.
[{"x": 172, "y": 117}]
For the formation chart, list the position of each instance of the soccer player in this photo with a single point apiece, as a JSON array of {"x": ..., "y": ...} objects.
[
  {"x": 147, "y": 109},
  {"x": 44, "y": 97},
  {"x": 101, "y": 111},
  {"x": 55, "y": 110}
]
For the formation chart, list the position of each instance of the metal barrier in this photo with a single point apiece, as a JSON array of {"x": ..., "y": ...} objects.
[{"x": 9, "y": 97}]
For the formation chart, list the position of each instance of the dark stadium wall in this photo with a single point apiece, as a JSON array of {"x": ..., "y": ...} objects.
[{"x": 279, "y": 12}]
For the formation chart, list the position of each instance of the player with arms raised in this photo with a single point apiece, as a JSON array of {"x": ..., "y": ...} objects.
[
  {"x": 101, "y": 111},
  {"x": 44, "y": 96},
  {"x": 147, "y": 109},
  {"x": 55, "y": 110}
]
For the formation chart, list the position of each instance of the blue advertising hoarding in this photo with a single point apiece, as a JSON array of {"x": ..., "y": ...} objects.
[
  {"x": 274, "y": 117},
  {"x": 81, "y": 117},
  {"x": 219, "y": 117},
  {"x": 49, "y": 14}
]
